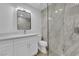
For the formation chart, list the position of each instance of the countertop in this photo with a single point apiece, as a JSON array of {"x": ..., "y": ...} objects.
[{"x": 18, "y": 36}]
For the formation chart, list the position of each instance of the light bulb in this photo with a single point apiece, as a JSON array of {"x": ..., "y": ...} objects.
[
  {"x": 56, "y": 11},
  {"x": 60, "y": 9}
]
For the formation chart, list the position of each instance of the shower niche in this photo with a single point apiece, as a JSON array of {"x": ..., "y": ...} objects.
[
  {"x": 76, "y": 30},
  {"x": 23, "y": 20}
]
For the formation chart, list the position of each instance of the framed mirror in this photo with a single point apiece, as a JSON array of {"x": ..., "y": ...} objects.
[{"x": 23, "y": 20}]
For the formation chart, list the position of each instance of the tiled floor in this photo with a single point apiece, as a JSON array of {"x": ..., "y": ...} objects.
[{"x": 41, "y": 54}]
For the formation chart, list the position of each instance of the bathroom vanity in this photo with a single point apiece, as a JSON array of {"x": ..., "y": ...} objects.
[{"x": 19, "y": 45}]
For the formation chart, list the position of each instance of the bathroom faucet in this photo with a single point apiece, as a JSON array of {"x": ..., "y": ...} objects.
[{"x": 24, "y": 31}]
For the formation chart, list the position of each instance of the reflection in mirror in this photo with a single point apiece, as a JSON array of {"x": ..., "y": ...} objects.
[{"x": 23, "y": 20}]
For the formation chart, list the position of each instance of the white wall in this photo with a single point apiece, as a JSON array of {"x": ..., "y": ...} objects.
[{"x": 8, "y": 18}]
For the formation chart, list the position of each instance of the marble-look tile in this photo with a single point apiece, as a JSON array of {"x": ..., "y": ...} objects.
[
  {"x": 56, "y": 33},
  {"x": 63, "y": 18},
  {"x": 69, "y": 46},
  {"x": 70, "y": 38}
]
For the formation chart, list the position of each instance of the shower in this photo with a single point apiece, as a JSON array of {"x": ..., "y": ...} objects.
[{"x": 60, "y": 21}]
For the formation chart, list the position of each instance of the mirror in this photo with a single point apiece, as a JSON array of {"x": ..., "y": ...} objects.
[{"x": 23, "y": 20}]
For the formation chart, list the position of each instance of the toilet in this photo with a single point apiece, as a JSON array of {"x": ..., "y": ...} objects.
[{"x": 42, "y": 46}]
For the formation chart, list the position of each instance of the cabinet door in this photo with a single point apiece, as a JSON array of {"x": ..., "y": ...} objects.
[
  {"x": 32, "y": 45},
  {"x": 20, "y": 47},
  {"x": 6, "y": 47}
]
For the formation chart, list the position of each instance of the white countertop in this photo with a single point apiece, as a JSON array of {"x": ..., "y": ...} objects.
[{"x": 17, "y": 36}]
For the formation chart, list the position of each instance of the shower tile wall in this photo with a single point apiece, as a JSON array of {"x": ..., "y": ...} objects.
[
  {"x": 63, "y": 19},
  {"x": 71, "y": 21}
]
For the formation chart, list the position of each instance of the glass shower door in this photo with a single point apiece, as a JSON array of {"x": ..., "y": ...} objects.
[
  {"x": 56, "y": 26},
  {"x": 63, "y": 29}
]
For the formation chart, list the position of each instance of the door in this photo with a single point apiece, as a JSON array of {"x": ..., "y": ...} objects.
[
  {"x": 63, "y": 29},
  {"x": 56, "y": 24}
]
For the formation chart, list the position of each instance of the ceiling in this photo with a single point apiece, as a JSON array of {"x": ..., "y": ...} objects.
[{"x": 39, "y": 6}]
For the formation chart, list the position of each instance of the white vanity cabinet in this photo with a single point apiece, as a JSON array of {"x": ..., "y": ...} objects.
[
  {"x": 26, "y": 46},
  {"x": 19, "y": 46},
  {"x": 6, "y": 48}
]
